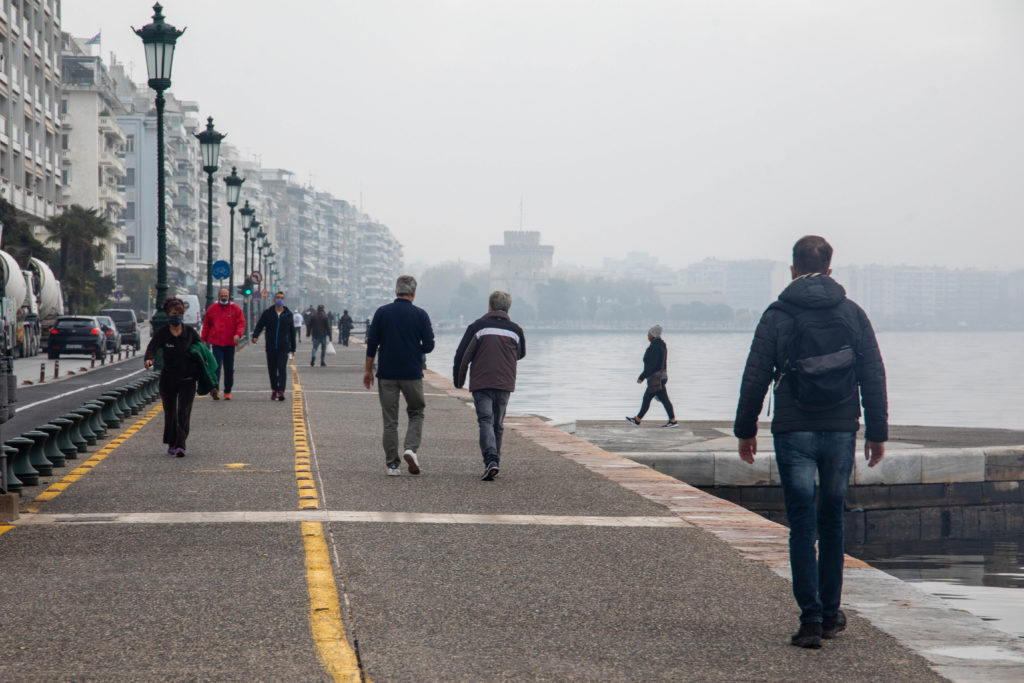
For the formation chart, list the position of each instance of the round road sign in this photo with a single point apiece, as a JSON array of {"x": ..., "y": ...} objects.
[{"x": 256, "y": 276}]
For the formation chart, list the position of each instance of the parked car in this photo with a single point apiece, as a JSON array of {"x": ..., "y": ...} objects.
[
  {"x": 79, "y": 335},
  {"x": 127, "y": 325},
  {"x": 111, "y": 332},
  {"x": 193, "y": 312}
]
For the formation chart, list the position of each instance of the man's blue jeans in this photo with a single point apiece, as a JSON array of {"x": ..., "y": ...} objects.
[
  {"x": 322, "y": 343},
  {"x": 490, "y": 414},
  {"x": 225, "y": 357},
  {"x": 817, "y": 578}
]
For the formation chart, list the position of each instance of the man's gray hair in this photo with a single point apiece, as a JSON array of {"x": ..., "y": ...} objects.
[
  {"x": 500, "y": 301},
  {"x": 405, "y": 285}
]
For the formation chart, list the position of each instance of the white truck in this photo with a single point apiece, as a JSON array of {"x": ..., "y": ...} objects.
[{"x": 22, "y": 328}]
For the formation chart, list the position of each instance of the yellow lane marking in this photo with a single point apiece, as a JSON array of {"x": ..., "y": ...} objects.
[
  {"x": 55, "y": 489},
  {"x": 4, "y": 527},
  {"x": 332, "y": 647}
]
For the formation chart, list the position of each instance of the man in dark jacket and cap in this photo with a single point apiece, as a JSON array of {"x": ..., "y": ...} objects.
[
  {"x": 492, "y": 345},
  {"x": 820, "y": 350},
  {"x": 279, "y": 324}
]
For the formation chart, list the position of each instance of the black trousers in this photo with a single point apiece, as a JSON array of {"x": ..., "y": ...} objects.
[
  {"x": 177, "y": 395},
  {"x": 661, "y": 395},
  {"x": 344, "y": 337},
  {"x": 277, "y": 366}
]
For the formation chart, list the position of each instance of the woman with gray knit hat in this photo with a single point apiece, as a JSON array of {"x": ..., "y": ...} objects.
[{"x": 656, "y": 373}]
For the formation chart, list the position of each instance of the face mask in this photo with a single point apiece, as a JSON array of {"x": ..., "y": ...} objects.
[
  {"x": 174, "y": 320},
  {"x": 279, "y": 302},
  {"x": 223, "y": 302}
]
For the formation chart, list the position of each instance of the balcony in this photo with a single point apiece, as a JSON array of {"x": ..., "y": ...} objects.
[{"x": 110, "y": 160}]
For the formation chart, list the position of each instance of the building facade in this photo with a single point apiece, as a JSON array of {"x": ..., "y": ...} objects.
[{"x": 521, "y": 264}]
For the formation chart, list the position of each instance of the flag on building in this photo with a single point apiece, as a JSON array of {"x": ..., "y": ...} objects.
[{"x": 95, "y": 40}]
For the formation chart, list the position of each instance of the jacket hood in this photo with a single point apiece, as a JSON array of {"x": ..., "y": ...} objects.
[{"x": 816, "y": 291}]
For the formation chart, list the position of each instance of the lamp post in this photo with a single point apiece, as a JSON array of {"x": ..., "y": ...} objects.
[
  {"x": 234, "y": 188},
  {"x": 159, "y": 39},
  {"x": 257, "y": 232},
  {"x": 209, "y": 144},
  {"x": 246, "y": 212}
]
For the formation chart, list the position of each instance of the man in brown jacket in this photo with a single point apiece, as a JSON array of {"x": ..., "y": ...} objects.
[{"x": 493, "y": 345}]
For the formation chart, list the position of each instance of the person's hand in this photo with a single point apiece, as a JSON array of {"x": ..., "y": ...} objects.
[
  {"x": 149, "y": 364},
  {"x": 639, "y": 381},
  {"x": 748, "y": 449},
  {"x": 254, "y": 338},
  {"x": 368, "y": 378},
  {"x": 237, "y": 338},
  {"x": 874, "y": 451}
]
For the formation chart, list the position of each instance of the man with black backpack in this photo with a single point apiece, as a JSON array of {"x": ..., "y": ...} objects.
[{"x": 819, "y": 350}]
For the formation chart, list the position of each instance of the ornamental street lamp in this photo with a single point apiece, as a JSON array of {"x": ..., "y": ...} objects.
[
  {"x": 257, "y": 231},
  {"x": 246, "y": 212},
  {"x": 234, "y": 185},
  {"x": 159, "y": 39},
  {"x": 209, "y": 144}
]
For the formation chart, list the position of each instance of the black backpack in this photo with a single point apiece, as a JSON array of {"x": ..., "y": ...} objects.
[{"x": 820, "y": 361}]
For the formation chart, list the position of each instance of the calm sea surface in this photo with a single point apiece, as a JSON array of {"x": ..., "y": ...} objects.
[{"x": 950, "y": 379}]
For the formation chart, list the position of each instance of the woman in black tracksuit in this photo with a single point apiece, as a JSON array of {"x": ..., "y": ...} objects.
[
  {"x": 177, "y": 376},
  {"x": 656, "y": 373}
]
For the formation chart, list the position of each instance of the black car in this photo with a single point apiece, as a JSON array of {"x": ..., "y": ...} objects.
[
  {"x": 76, "y": 335},
  {"x": 127, "y": 325}
]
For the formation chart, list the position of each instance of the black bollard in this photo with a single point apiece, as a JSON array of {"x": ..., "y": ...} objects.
[
  {"x": 37, "y": 454},
  {"x": 13, "y": 483},
  {"x": 96, "y": 421},
  {"x": 23, "y": 469},
  {"x": 110, "y": 415},
  {"x": 56, "y": 368},
  {"x": 51, "y": 451},
  {"x": 42, "y": 372},
  {"x": 64, "y": 444},
  {"x": 81, "y": 445},
  {"x": 83, "y": 425}
]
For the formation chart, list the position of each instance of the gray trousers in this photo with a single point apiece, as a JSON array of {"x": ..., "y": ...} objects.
[{"x": 388, "y": 391}]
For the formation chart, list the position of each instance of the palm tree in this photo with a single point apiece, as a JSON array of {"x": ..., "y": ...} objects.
[{"x": 81, "y": 236}]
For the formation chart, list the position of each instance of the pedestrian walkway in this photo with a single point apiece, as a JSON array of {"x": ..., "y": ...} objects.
[{"x": 277, "y": 549}]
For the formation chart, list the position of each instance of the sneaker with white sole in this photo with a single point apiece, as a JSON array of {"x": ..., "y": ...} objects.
[
  {"x": 670, "y": 425},
  {"x": 394, "y": 471},
  {"x": 633, "y": 421},
  {"x": 411, "y": 461},
  {"x": 490, "y": 472}
]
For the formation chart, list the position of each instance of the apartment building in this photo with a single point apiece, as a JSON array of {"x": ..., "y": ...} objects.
[
  {"x": 93, "y": 175},
  {"x": 30, "y": 126}
]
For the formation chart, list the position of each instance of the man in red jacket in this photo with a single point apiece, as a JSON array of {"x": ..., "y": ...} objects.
[{"x": 223, "y": 326}]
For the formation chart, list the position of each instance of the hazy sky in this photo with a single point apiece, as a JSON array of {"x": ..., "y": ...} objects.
[{"x": 687, "y": 129}]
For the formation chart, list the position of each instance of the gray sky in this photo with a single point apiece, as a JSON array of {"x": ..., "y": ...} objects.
[{"x": 687, "y": 129}]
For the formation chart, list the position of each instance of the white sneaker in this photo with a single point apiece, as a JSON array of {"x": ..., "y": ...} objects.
[
  {"x": 394, "y": 471},
  {"x": 411, "y": 461}
]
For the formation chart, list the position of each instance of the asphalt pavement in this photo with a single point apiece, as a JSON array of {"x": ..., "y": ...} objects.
[{"x": 277, "y": 549}]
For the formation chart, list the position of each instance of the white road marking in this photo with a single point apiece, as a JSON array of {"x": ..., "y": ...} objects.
[
  {"x": 69, "y": 393},
  {"x": 286, "y": 516}
]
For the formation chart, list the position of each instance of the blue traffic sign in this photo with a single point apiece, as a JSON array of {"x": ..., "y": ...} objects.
[{"x": 221, "y": 270}]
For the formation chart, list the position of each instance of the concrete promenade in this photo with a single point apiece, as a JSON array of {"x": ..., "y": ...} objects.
[{"x": 278, "y": 550}]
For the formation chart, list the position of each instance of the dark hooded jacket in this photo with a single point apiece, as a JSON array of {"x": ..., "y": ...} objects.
[{"x": 771, "y": 339}]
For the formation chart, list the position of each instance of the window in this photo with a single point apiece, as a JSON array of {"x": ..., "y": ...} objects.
[
  {"x": 129, "y": 143},
  {"x": 129, "y": 212},
  {"x": 64, "y": 105},
  {"x": 64, "y": 141},
  {"x": 65, "y": 176},
  {"x": 129, "y": 177}
]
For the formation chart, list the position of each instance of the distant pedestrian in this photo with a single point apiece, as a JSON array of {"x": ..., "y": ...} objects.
[
  {"x": 298, "y": 321},
  {"x": 344, "y": 327},
  {"x": 820, "y": 351},
  {"x": 331, "y": 318},
  {"x": 656, "y": 373},
  {"x": 320, "y": 330},
  {"x": 490, "y": 351},
  {"x": 178, "y": 374},
  {"x": 279, "y": 323},
  {"x": 223, "y": 327},
  {"x": 401, "y": 333}
]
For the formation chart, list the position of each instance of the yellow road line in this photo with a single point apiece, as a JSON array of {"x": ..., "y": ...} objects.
[
  {"x": 5, "y": 527},
  {"x": 325, "y": 622},
  {"x": 58, "y": 487}
]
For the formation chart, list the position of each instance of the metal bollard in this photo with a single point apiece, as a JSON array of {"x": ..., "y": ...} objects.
[
  {"x": 56, "y": 368},
  {"x": 23, "y": 469},
  {"x": 13, "y": 483},
  {"x": 42, "y": 372},
  {"x": 92, "y": 363},
  {"x": 83, "y": 425},
  {"x": 110, "y": 414},
  {"x": 64, "y": 444},
  {"x": 50, "y": 449},
  {"x": 37, "y": 454},
  {"x": 96, "y": 421},
  {"x": 75, "y": 434}
]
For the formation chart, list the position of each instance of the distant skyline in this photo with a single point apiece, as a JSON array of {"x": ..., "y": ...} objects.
[{"x": 685, "y": 128}]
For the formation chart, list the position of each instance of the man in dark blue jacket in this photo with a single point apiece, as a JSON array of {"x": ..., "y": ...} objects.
[
  {"x": 277, "y": 321},
  {"x": 399, "y": 336},
  {"x": 815, "y": 423}
]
